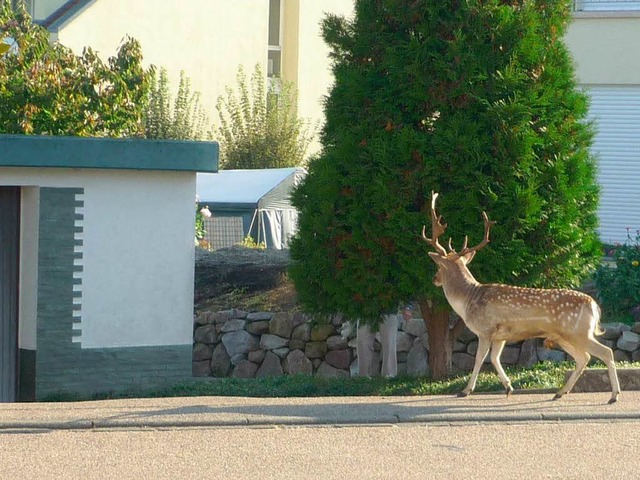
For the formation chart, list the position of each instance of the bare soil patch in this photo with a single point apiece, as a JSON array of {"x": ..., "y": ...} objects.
[{"x": 245, "y": 278}]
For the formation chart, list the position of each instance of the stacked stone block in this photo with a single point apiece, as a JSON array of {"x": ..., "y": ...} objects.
[{"x": 235, "y": 343}]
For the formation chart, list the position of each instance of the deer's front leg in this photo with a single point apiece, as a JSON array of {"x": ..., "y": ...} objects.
[{"x": 483, "y": 348}]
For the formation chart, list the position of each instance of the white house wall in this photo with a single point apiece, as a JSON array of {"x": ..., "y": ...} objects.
[{"x": 137, "y": 254}]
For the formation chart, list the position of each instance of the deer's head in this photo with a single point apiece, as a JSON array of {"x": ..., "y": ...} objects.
[{"x": 451, "y": 263}]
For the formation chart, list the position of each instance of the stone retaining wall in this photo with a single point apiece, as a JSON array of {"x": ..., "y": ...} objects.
[{"x": 235, "y": 343}]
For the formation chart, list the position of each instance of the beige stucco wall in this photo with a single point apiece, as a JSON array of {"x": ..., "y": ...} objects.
[
  {"x": 208, "y": 39},
  {"x": 291, "y": 33},
  {"x": 212, "y": 38},
  {"x": 306, "y": 61},
  {"x": 605, "y": 48}
]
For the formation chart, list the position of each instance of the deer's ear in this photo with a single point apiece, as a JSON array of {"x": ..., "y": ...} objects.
[
  {"x": 467, "y": 257},
  {"x": 436, "y": 257}
]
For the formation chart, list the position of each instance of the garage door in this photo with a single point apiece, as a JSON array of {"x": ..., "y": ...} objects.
[{"x": 616, "y": 111}]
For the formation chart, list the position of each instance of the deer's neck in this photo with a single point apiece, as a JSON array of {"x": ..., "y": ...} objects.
[{"x": 460, "y": 288}]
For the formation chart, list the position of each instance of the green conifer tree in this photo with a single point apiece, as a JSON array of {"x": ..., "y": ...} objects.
[{"x": 474, "y": 99}]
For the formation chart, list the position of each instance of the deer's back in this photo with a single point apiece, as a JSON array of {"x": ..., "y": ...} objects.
[{"x": 516, "y": 313}]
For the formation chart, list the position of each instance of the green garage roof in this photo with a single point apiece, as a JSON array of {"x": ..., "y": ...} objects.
[{"x": 108, "y": 153}]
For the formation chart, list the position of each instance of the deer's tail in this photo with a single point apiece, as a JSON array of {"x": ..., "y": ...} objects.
[{"x": 597, "y": 313}]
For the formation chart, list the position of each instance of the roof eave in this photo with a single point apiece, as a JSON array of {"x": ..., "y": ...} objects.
[
  {"x": 108, "y": 153},
  {"x": 64, "y": 14}
]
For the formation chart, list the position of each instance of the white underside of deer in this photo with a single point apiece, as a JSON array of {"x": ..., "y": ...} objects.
[{"x": 502, "y": 313}]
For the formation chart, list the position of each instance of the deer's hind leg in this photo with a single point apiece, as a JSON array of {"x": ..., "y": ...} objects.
[
  {"x": 605, "y": 354},
  {"x": 581, "y": 358},
  {"x": 496, "y": 350}
]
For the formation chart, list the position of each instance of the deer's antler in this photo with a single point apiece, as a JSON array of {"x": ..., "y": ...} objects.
[
  {"x": 487, "y": 226},
  {"x": 437, "y": 228}
]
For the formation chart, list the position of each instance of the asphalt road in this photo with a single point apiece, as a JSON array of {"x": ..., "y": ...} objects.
[{"x": 483, "y": 436}]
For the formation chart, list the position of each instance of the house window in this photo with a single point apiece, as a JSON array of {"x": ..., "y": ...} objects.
[
  {"x": 274, "y": 66},
  {"x": 606, "y": 5}
]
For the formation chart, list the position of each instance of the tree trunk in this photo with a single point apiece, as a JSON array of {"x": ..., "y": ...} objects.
[{"x": 440, "y": 341}]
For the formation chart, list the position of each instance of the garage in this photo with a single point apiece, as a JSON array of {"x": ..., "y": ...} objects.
[{"x": 97, "y": 288}]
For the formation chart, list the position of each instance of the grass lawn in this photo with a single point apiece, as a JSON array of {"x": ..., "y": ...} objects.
[{"x": 544, "y": 375}]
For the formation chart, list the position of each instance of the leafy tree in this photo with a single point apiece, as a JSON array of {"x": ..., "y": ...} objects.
[
  {"x": 46, "y": 89},
  {"x": 259, "y": 127},
  {"x": 180, "y": 119},
  {"x": 474, "y": 99}
]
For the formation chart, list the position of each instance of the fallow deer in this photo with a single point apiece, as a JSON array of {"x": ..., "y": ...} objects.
[{"x": 502, "y": 313}]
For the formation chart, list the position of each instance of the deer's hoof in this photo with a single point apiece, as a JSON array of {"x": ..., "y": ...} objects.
[
  {"x": 613, "y": 399},
  {"x": 557, "y": 396},
  {"x": 463, "y": 394},
  {"x": 509, "y": 391}
]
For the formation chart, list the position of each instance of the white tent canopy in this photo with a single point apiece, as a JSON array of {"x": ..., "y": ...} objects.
[{"x": 261, "y": 197}]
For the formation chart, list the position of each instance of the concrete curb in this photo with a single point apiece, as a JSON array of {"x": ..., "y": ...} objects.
[
  {"x": 235, "y": 412},
  {"x": 284, "y": 422}
]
